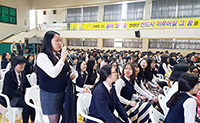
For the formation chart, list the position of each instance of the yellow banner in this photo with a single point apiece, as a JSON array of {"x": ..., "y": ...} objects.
[{"x": 142, "y": 24}]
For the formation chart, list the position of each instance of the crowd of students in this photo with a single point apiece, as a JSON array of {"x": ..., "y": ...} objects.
[{"x": 128, "y": 81}]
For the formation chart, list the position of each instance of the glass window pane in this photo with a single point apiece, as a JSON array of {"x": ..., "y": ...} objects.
[
  {"x": 5, "y": 18},
  {"x": 0, "y": 9},
  {"x": 12, "y": 12},
  {"x": 4, "y": 10},
  {"x": 0, "y": 17}
]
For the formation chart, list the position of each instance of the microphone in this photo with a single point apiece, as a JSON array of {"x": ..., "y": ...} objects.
[{"x": 70, "y": 60}]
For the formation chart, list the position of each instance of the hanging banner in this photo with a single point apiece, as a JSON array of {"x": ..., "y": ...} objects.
[
  {"x": 142, "y": 24},
  {"x": 55, "y": 26}
]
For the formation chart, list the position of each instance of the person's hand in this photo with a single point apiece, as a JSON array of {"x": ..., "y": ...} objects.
[
  {"x": 72, "y": 76},
  {"x": 158, "y": 86},
  {"x": 64, "y": 54},
  {"x": 132, "y": 103},
  {"x": 86, "y": 90},
  {"x": 154, "y": 99},
  {"x": 142, "y": 98}
]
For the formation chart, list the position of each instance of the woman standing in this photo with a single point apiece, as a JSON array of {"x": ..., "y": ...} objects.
[
  {"x": 182, "y": 104},
  {"x": 52, "y": 71},
  {"x": 104, "y": 98}
]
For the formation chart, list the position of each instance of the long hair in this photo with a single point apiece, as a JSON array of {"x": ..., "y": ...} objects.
[
  {"x": 178, "y": 70},
  {"x": 149, "y": 71},
  {"x": 164, "y": 59},
  {"x": 133, "y": 71},
  {"x": 90, "y": 65},
  {"x": 186, "y": 82},
  {"x": 46, "y": 44},
  {"x": 78, "y": 66},
  {"x": 141, "y": 74},
  {"x": 105, "y": 71},
  {"x": 4, "y": 56}
]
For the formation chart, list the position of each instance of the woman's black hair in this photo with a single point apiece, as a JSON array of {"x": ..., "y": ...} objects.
[
  {"x": 30, "y": 54},
  {"x": 105, "y": 71},
  {"x": 4, "y": 56},
  {"x": 78, "y": 66},
  {"x": 46, "y": 44},
  {"x": 186, "y": 82},
  {"x": 178, "y": 70},
  {"x": 17, "y": 60},
  {"x": 192, "y": 68},
  {"x": 97, "y": 58},
  {"x": 141, "y": 74},
  {"x": 164, "y": 59},
  {"x": 149, "y": 72},
  {"x": 90, "y": 65}
]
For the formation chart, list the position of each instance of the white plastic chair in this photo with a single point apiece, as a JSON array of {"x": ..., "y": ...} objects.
[
  {"x": 33, "y": 94},
  {"x": 162, "y": 102},
  {"x": 166, "y": 90},
  {"x": 10, "y": 111},
  {"x": 83, "y": 104},
  {"x": 155, "y": 116}
]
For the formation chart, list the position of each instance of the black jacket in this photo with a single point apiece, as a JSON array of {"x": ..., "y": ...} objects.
[{"x": 11, "y": 89}]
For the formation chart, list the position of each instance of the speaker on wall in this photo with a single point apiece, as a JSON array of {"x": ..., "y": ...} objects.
[{"x": 137, "y": 33}]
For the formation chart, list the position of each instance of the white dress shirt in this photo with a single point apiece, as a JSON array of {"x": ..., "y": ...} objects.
[
  {"x": 189, "y": 107},
  {"x": 119, "y": 84},
  {"x": 167, "y": 69},
  {"x": 47, "y": 66},
  {"x": 107, "y": 86}
]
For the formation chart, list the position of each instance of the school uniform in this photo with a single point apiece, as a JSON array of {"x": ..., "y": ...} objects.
[
  {"x": 126, "y": 92},
  {"x": 14, "y": 87},
  {"x": 183, "y": 111},
  {"x": 104, "y": 101}
]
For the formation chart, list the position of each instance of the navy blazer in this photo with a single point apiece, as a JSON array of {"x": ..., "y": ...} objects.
[
  {"x": 103, "y": 104},
  {"x": 10, "y": 87},
  {"x": 4, "y": 64}
]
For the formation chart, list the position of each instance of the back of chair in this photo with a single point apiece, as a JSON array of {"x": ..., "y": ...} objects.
[
  {"x": 162, "y": 102},
  {"x": 33, "y": 94},
  {"x": 155, "y": 116},
  {"x": 83, "y": 103},
  {"x": 166, "y": 90}
]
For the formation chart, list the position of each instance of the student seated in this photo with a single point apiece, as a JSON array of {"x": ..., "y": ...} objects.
[
  {"x": 104, "y": 99},
  {"x": 182, "y": 104},
  {"x": 14, "y": 86}
]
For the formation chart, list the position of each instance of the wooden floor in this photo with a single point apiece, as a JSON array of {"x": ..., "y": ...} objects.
[{"x": 6, "y": 120}]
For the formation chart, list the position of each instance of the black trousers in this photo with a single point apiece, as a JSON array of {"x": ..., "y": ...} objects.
[{"x": 27, "y": 110}]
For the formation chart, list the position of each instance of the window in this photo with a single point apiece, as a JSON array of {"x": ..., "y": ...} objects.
[
  {"x": 175, "y": 8},
  {"x": 75, "y": 41},
  {"x": 90, "y": 14},
  {"x": 135, "y": 11},
  {"x": 90, "y": 42},
  {"x": 189, "y": 44},
  {"x": 74, "y": 15},
  {"x": 108, "y": 42},
  {"x": 188, "y": 8},
  {"x": 44, "y": 12},
  {"x": 8, "y": 15},
  {"x": 163, "y": 9},
  {"x": 112, "y": 12},
  {"x": 132, "y": 43},
  {"x": 54, "y": 12},
  {"x": 161, "y": 43}
]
